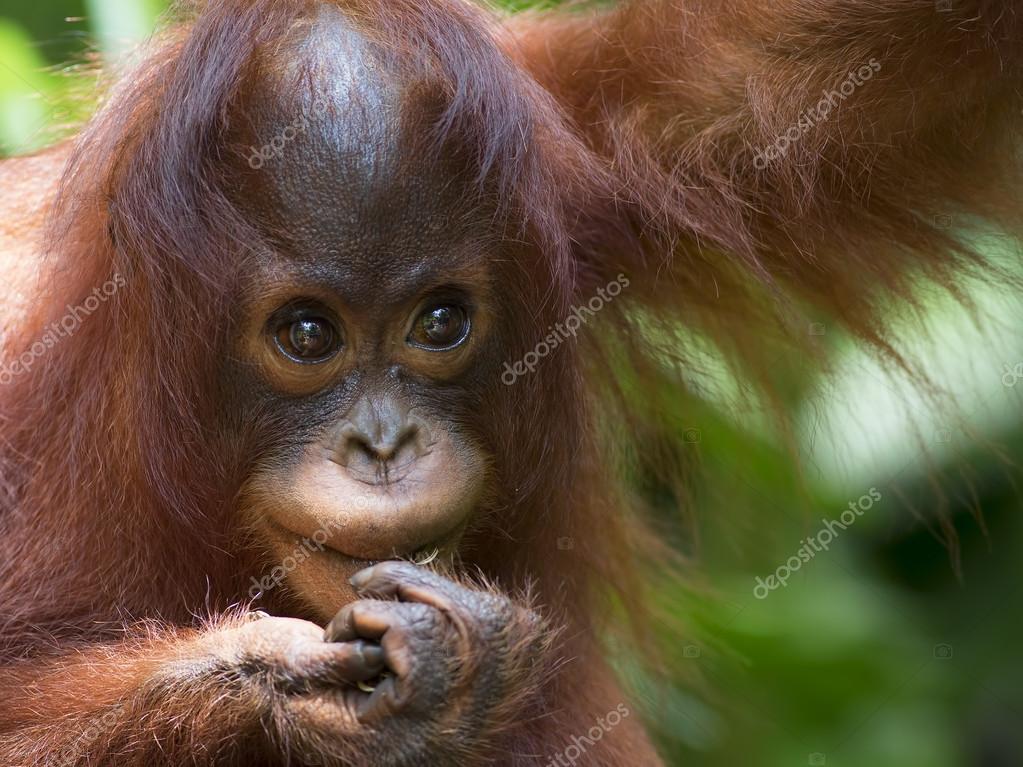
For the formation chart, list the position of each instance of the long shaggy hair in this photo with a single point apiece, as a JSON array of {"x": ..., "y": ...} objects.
[{"x": 643, "y": 140}]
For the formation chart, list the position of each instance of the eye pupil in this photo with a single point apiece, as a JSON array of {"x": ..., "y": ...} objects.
[
  {"x": 310, "y": 338},
  {"x": 437, "y": 324},
  {"x": 442, "y": 326}
]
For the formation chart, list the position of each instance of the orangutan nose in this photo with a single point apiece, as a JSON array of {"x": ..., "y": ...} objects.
[{"x": 379, "y": 437}]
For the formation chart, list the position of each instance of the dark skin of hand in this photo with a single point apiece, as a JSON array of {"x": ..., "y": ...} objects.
[{"x": 428, "y": 645}]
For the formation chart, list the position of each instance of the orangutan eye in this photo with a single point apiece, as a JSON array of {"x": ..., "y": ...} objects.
[
  {"x": 440, "y": 327},
  {"x": 308, "y": 339}
]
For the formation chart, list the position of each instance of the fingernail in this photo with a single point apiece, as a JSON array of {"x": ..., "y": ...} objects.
[
  {"x": 328, "y": 632},
  {"x": 361, "y": 578}
]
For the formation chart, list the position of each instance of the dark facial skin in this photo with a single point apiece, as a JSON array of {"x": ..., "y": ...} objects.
[{"x": 368, "y": 328}]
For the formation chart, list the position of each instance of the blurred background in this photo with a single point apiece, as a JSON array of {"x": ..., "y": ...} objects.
[{"x": 894, "y": 641}]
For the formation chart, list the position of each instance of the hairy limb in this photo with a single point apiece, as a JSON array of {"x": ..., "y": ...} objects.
[
  {"x": 824, "y": 148},
  {"x": 178, "y": 698},
  {"x": 458, "y": 666}
]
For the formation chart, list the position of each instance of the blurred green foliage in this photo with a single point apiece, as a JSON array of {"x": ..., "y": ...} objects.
[
  {"x": 894, "y": 647},
  {"x": 44, "y": 47}
]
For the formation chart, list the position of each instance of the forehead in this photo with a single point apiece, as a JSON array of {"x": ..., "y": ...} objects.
[{"x": 332, "y": 172}]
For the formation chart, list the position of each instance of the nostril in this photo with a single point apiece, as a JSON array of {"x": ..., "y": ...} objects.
[
  {"x": 380, "y": 436},
  {"x": 404, "y": 445},
  {"x": 357, "y": 445},
  {"x": 358, "y": 450}
]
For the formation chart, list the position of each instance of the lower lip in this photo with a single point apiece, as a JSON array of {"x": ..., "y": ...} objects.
[{"x": 442, "y": 546}]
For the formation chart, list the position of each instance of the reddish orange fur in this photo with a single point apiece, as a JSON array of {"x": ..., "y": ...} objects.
[{"x": 617, "y": 141}]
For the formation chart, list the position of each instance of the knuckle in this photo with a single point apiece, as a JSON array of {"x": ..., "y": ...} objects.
[
  {"x": 419, "y": 619},
  {"x": 425, "y": 619},
  {"x": 492, "y": 613},
  {"x": 421, "y": 636}
]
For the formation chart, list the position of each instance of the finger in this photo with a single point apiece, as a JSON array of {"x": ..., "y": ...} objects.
[
  {"x": 298, "y": 660},
  {"x": 382, "y": 704},
  {"x": 367, "y": 619},
  {"x": 406, "y": 630},
  {"x": 421, "y": 666},
  {"x": 409, "y": 583},
  {"x": 357, "y": 661},
  {"x": 331, "y": 663}
]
